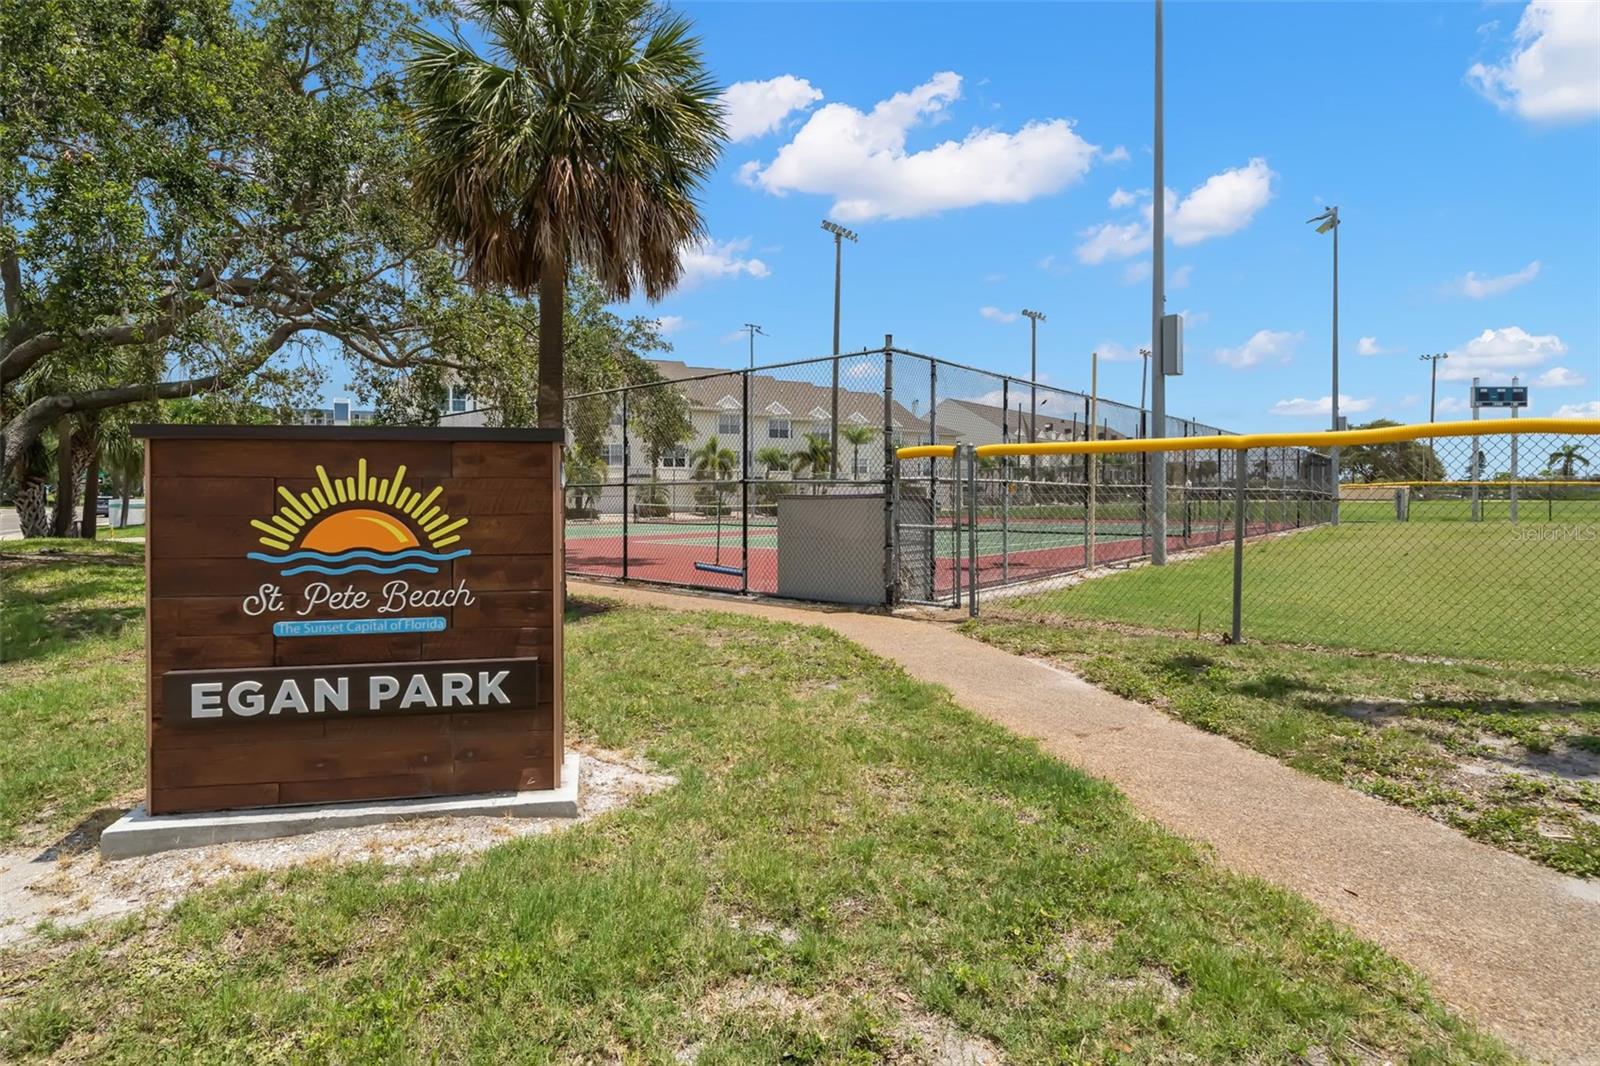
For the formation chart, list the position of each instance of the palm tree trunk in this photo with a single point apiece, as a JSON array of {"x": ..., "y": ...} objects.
[
  {"x": 64, "y": 479},
  {"x": 91, "y": 490},
  {"x": 552, "y": 312}
]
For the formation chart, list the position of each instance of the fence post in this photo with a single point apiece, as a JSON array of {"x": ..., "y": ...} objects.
[
  {"x": 972, "y": 531},
  {"x": 1241, "y": 477},
  {"x": 744, "y": 482},
  {"x": 957, "y": 494},
  {"x": 1005, "y": 486},
  {"x": 833, "y": 419},
  {"x": 891, "y": 482},
  {"x": 626, "y": 456}
]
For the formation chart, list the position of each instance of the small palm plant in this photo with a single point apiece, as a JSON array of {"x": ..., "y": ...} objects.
[
  {"x": 1565, "y": 460},
  {"x": 814, "y": 459},
  {"x": 715, "y": 463},
  {"x": 773, "y": 458},
  {"x": 856, "y": 436}
]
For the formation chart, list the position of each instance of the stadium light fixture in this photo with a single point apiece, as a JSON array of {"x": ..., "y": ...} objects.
[
  {"x": 753, "y": 329},
  {"x": 840, "y": 235}
]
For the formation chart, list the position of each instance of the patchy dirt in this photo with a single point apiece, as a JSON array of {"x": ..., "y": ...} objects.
[
  {"x": 68, "y": 883},
  {"x": 919, "y": 1036}
]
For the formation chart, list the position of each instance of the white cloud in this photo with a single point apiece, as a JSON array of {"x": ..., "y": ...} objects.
[
  {"x": 1222, "y": 204},
  {"x": 1368, "y": 346},
  {"x": 1265, "y": 345},
  {"x": 1194, "y": 319},
  {"x": 1112, "y": 352},
  {"x": 993, "y": 279},
  {"x": 1134, "y": 273},
  {"x": 1551, "y": 73},
  {"x": 994, "y": 314},
  {"x": 711, "y": 260},
  {"x": 1494, "y": 354},
  {"x": 1300, "y": 408},
  {"x": 667, "y": 325},
  {"x": 1578, "y": 410},
  {"x": 1110, "y": 240},
  {"x": 861, "y": 160},
  {"x": 1559, "y": 377},
  {"x": 1119, "y": 154},
  {"x": 754, "y": 108},
  {"x": 1450, "y": 405},
  {"x": 1474, "y": 287},
  {"x": 1180, "y": 277}
]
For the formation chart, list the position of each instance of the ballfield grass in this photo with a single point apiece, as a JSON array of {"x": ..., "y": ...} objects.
[
  {"x": 71, "y": 681},
  {"x": 850, "y": 868},
  {"x": 1510, "y": 755},
  {"x": 1488, "y": 591}
]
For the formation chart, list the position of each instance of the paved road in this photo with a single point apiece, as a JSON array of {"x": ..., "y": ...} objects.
[
  {"x": 1503, "y": 940},
  {"x": 10, "y": 528}
]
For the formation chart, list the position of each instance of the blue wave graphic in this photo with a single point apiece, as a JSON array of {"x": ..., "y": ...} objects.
[
  {"x": 313, "y": 568},
  {"x": 357, "y": 553}
]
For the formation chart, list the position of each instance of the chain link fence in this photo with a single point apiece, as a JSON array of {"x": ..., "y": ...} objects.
[
  {"x": 782, "y": 480},
  {"x": 1458, "y": 540}
]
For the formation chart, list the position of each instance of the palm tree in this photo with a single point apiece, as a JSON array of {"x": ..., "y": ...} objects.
[
  {"x": 814, "y": 459},
  {"x": 856, "y": 436},
  {"x": 716, "y": 464},
  {"x": 773, "y": 458},
  {"x": 1565, "y": 460},
  {"x": 580, "y": 138}
]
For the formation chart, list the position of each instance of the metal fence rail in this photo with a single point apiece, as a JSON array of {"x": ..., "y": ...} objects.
[{"x": 1473, "y": 540}]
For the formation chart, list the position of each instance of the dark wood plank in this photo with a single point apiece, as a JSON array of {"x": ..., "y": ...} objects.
[
  {"x": 329, "y": 760},
  {"x": 246, "y": 497},
  {"x": 486, "y": 643},
  {"x": 466, "y": 778},
  {"x": 500, "y": 610},
  {"x": 505, "y": 573},
  {"x": 505, "y": 534},
  {"x": 289, "y": 458},
  {"x": 495, "y": 495},
  {"x": 499, "y": 459},
  {"x": 212, "y": 798},
  {"x": 388, "y": 786},
  {"x": 374, "y": 648}
]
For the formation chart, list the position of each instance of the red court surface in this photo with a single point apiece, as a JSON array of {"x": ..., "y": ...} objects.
[{"x": 671, "y": 558}]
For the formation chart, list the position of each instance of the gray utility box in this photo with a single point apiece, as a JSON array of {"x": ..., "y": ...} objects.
[{"x": 831, "y": 548}]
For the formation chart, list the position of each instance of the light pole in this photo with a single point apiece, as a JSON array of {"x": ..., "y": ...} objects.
[
  {"x": 752, "y": 329},
  {"x": 1329, "y": 220},
  {"x": 840, "y": 235},
  {"x": 1144, "y": 372},
  {"x": 1158, "y": 307},
  {"x": 1034, "y": 318},
  {"x": 1433, "y": 379}
]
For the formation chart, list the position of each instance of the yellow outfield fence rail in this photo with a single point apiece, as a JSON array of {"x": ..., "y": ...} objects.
[{"x": 1472, "y": 540}]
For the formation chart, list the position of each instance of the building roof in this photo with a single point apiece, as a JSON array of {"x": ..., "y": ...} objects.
[{"x": 712, "y": 388}]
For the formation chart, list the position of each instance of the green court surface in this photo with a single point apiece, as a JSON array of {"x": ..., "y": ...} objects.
[{"x": 1455, "y": 589}]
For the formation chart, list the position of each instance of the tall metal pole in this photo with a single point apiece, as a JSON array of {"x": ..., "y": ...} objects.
[
  {"x": 839, "y": 235},
  {"x": 1336, "y": 363},
  {"x": 1158, "y": 302},
  {"x": 1513, "y": 485},
  {"x": 1034, "y": 318}
]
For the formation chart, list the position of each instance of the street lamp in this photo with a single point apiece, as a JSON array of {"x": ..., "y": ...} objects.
[
  {"x": 1144, "y": 372},
  {"x": 840, "y": 235},
  {"x": 753, "y": 329},
  {"x": 1329, "y": 220}
]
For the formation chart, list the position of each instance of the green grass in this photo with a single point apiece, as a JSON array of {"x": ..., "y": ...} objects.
[
  {"x": 1492, "y": 592},
  {"x": 1496, "y": 510},
  {"x": 1472, "y": 745},
  {"x": 845, "y": 849},
  {"x": 71, "y": 681}
]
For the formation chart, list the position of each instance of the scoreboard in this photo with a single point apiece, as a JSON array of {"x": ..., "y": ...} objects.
[{"x": 1500, "y": 396}]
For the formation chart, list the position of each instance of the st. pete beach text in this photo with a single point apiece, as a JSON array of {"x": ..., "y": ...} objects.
[{"x": 319, "y": 595}]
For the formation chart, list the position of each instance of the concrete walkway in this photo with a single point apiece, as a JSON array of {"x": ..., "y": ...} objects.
[{"x": 1506, "y": 942}]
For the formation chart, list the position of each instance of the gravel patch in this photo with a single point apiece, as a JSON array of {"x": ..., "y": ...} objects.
[{"x": 68, "y": 884}]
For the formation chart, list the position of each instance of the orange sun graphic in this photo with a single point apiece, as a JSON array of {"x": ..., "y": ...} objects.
[{"x": 390, "y": 517}]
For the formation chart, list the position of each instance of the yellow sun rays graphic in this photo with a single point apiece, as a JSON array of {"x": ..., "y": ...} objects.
[{"x": 305, "y": 516}]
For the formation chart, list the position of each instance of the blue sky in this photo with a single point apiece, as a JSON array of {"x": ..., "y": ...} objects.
[{"x": 1462, "y": 151}]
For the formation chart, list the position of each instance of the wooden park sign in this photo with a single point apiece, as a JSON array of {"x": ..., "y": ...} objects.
[{"x": 350, "y": 613}]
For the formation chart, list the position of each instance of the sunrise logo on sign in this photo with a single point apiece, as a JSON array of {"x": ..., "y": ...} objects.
[{"x": 359, "y": 523}]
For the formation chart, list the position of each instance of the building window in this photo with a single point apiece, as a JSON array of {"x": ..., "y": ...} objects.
[
  {"x": 729, "y": 424},
  {"x": 861, "y": 462},
  {"x": 778, "y": 429},
  {"x": 613, "y": 454},
  {"x": 457, "y": 399},
  {"x": 675, "y": 458},
  {"x": 341, "y": 412},
  {"x": 616, "y": 415}
]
